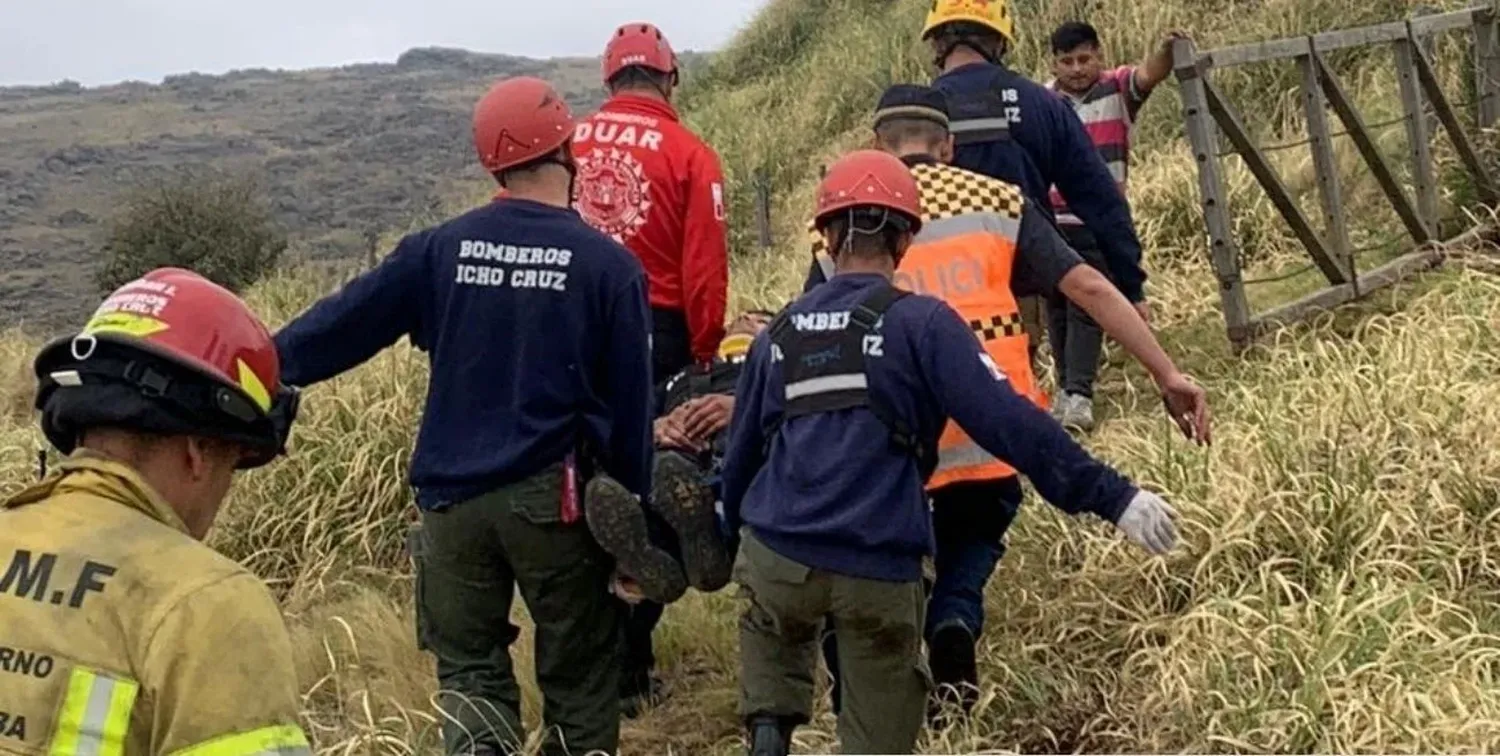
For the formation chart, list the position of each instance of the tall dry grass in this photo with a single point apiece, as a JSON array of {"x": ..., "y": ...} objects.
[{"x": 1335, "y": 589}]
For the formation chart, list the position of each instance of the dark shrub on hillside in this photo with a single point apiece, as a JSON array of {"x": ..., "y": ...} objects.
[{"x": 217, "y": 225}]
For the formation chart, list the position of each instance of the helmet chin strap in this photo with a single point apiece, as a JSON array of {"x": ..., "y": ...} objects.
[
  {"x": 663, "y": 90},
  {"x": 571, "y": 166},
  {"x": 969, "y": 42},
  {"x": 847, "y": 243}
]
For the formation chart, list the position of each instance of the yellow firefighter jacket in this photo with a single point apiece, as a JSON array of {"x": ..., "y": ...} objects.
[{"x": 121, "y": 634}]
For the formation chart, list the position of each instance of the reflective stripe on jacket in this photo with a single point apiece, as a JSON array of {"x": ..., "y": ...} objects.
[
  {"x": 120, "y": 634},
  {"x": 965, "y": 256}
]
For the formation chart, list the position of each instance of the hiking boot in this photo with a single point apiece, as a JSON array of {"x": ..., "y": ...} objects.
[
  {"x": 680, "y": 497},
  {"x": 618, "y": 523},
  {"x": 1077, "y": 412},
  {"x": 955, "y": 671},
  {"x": 769, "y": 736}
]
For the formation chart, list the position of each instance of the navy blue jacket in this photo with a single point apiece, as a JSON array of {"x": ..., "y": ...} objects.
[
  {"x": 536, "y": 327},
  {"x": 1056, "y": 151},
  {"x": 834, "y": 494}
]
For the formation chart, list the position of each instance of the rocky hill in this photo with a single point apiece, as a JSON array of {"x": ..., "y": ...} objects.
[{"x": 340, "y": 152}]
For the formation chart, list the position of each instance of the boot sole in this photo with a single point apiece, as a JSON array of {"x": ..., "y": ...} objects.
[
  {"x": 619, "y": 526},
  {"x": 679, "y": 496}
]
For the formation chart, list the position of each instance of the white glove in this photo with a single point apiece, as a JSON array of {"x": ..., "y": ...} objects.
[{"x": 1147, "y": 520}]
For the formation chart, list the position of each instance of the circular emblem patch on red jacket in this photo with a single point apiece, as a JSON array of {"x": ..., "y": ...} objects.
[{"x": 613, "y": 192}]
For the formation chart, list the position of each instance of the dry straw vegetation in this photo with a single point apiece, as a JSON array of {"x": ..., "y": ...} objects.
[{"x": 1336, "y": 589}]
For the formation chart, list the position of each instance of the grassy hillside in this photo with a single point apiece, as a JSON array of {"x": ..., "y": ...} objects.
[
  {"x": 339, "y": 152},
  {"x": 1335, "y": 590},
  {"x": 820, "y": 65}
]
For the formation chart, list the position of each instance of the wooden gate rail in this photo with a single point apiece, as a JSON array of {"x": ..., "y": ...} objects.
[{"x": 1207, "y": 112}]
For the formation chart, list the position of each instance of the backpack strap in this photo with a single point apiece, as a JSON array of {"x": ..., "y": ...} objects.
[
  {"x": 872, "y": 308},
  {"x": 864, "y": 318},
  {"x": 979, "y": 116},
  {"x": 867, "y": 315}
]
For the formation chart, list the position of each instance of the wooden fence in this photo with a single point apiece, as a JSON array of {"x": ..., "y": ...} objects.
[{"x": 1207, "y": 114}]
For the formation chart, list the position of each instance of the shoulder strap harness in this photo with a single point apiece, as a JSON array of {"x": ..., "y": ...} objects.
[
  {"x": 979, "y": 115},
  {"x": 823, "y": 370}
]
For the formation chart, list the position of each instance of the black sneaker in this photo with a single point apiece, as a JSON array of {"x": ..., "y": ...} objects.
[
  {"x": 954, "y": 669},
  {"x": 618, "y": 523},
  {"x": 769, "y": 737},
  {"x": 680, "y": 497}
]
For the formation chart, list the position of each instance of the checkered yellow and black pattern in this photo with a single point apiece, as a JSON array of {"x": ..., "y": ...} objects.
[
  {"x": 998, "y": 325},
  {"x": 948, "y": 192}
]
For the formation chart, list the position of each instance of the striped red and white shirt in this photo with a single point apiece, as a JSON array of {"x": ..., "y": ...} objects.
[{"x": 1108, "y": 112}]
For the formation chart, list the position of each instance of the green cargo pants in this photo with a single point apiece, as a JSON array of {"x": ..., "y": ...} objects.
[
  {"x": 470, "y": 559},
  {"x": 884, "y": 672}
]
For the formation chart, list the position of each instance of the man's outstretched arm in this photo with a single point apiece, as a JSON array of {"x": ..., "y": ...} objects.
[
  {"x": 1085, "y": 183},
  {"x": 1046, "y": 257},
  {"x": 350, "y": 326},
  {"x": 973, "y": 391},
  {"x": 977, "y": 396}
]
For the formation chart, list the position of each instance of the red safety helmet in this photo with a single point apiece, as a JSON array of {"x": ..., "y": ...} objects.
[
  {"x": 638, "y": 44},
  {"x": 869, "y": 178},
  {"x": 171, "y": 353},
  {"x": 518, "y": 121}
]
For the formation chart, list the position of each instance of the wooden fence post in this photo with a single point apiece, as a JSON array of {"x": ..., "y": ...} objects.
[
  {"x": 1487, "y": 66},
  {"x": 1325, "y": 161},
  {"x": 763, "y": 209},
  {"x": 372, "y": 244},
  {"x": 1202, "y": 135},
  {"x": 1427, "y": 75},
  {"x": 1428, "y": 43},
  {"x": 1426, "y": 107},
  {"x": 1418, "y": 133},
  {"x": 1333, "y": 89},
  {"x": 1255, "y": 161}
]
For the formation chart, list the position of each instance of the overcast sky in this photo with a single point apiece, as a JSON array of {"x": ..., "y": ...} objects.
[{"x": 105, "y": 41}]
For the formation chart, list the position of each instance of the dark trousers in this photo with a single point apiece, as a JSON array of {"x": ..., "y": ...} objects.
[
  {"x": 1076, "y": 339},
  {"x": 470, "y": 560},
  {"x": 969, "y": 522},
  {"x": 671, "y": 351},
  {"x": 881, "y": 625}
]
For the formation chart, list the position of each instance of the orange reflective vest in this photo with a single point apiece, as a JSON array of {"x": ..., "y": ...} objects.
[{"x": 964, "y": 255}]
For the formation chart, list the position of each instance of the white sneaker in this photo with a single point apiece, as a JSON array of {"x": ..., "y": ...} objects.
[
  {"x": 1060, "y": 404},
  {"x": 1077, "y": 412}
]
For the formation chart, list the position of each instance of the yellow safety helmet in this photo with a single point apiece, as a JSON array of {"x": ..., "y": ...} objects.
[{"x": 991, "y": 14}]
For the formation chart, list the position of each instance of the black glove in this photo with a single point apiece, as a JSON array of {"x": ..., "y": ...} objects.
[{"x": 284, "y": 413}]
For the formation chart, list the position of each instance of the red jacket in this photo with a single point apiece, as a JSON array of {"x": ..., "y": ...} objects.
[{"x": 653, "y": 185}]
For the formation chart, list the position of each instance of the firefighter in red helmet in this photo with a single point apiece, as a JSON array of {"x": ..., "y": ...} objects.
[
  {"x": 123, "y": 632},
  {"x": 655, "y": 186},
  {"x": 536, "y": 328},
  {"x": 837, "y": 419}
]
